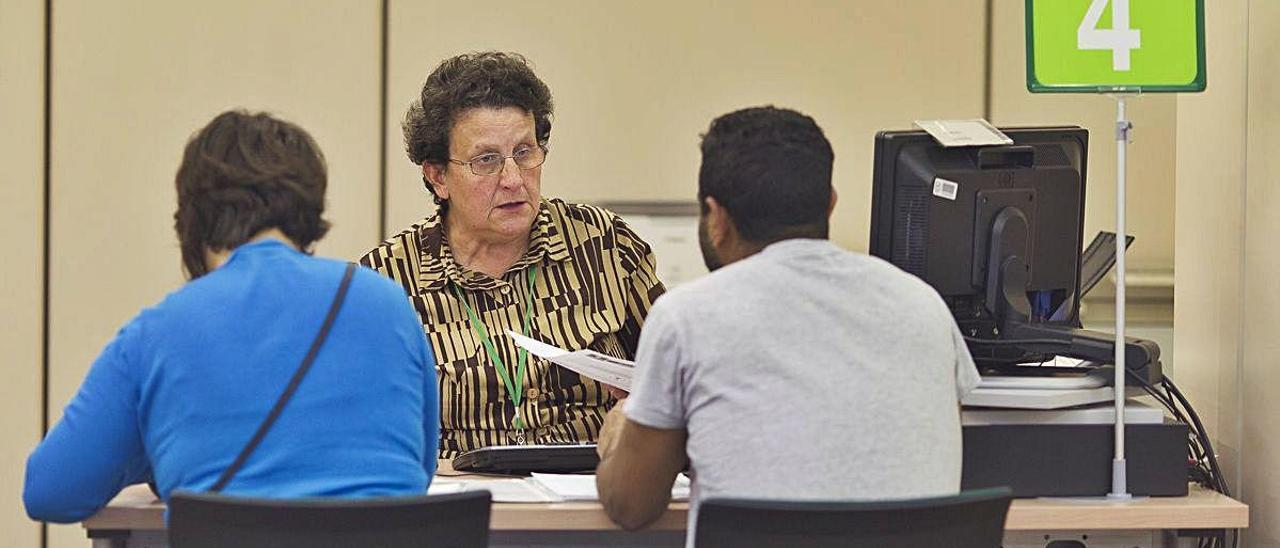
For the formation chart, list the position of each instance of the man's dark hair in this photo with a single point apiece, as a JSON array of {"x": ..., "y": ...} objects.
[
  {"x": 770, "y": 168},
  {"x": 482, "y": 79},
  {"x": 244, "y": 173}
]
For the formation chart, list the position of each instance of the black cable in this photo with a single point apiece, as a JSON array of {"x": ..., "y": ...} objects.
[
  {"x": 1165, "y": 401},
  {"x": 1208, "y": 477},
  {"x": 1205, "y": 478},
  {"x": 1206, "y": 471},
  {"x": 1208, "y": 445},
  {"x": 1201, "y": 449},
  {"x": 1213, "y": 470}
]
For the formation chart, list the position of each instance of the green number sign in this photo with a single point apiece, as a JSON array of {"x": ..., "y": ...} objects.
[{"x": 1102, "y": 46}]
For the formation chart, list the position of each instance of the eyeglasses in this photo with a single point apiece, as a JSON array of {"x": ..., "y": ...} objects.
[{"x": 526, "y": 157}]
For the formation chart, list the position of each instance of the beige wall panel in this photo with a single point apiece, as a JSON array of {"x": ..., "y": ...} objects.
[
  {"x": 635, "y": 83},
  {"x": 1151, "y": 166},
  {"x": 21, "y": 242},
  {"x": 1209, "y": 223},
  {"x": 1260, "y": 408},
  {"x": 132, "y": 80}
]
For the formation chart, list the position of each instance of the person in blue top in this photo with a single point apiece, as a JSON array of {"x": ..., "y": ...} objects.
[{"x": 185, "y": 384}]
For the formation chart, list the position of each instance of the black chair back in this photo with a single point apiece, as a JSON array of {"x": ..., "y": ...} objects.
[
  {"x": 200, "y": 520},
  {"x": 972, "y": 519}
]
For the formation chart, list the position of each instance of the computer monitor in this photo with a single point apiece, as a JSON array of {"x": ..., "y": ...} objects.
[
  {"x": 997, "y": 231},
  {"x": 933, "y": 210}
]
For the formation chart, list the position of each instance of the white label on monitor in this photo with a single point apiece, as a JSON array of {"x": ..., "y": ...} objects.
[{"x": 943, "y": 188}]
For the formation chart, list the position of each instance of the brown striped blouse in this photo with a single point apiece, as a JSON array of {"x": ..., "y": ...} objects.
[{"x": 595, "y": 283}]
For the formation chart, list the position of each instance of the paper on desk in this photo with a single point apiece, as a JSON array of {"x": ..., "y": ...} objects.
[
  {"x": 606, "y": 369},
  {"x": 502, "y": 490},
  {"x": 579, "y": 487},
  {"x": 445, "y": 487}
]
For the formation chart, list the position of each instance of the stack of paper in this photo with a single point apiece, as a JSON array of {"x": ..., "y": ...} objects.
[
  {"x": 567, "y": 487},
  {"x": 577, "y": 487},
  {"x": 589, "y": 363},
  {"x": 502, "y": 490},
  {"x": 540, "y": 488}
]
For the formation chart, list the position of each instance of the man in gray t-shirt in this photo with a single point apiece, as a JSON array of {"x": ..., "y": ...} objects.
[{"x": 799, "y": 370}]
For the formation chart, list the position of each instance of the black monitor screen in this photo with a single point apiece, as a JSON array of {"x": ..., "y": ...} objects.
[{"x": 933, "y": 209}]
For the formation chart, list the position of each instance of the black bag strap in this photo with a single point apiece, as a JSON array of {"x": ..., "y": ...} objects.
[{"x": 293, "y": 383}]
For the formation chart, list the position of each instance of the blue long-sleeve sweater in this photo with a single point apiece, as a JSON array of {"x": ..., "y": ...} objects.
[{"x": 184, "y": 385}]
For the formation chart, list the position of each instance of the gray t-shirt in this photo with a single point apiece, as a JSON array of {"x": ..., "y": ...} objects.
[{"x": 807, "y": 372}]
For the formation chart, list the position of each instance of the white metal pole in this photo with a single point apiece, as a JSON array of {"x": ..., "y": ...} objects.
[{"x": 1119, "y": 482}]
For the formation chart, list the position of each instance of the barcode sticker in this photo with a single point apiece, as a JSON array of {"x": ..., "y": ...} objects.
[{"x": 943, "y": 188}]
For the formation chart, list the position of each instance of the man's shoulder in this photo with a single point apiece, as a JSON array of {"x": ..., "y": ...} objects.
[
  {"x": 899, "y": 279},
  {"x": 761, "y": 275},
  {"x": 704, "y": 294},
  {"x": 886, "y": 275}
]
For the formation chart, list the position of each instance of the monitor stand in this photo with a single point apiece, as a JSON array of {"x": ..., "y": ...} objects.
[{"x": 1007, "y": 302}]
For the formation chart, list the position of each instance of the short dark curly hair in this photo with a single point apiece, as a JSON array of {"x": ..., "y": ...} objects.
[
  {"x": 770, "y": 168},
  {"x": 244, "y": 173},
  {"x": 491, "y": 79}
]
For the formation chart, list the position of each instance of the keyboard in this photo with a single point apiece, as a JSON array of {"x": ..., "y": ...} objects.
[{"x": 525, "y": 459}]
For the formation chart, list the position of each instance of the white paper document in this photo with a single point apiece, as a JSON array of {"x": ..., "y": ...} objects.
[
  {"x": 442, "y": 486},
  {"x": 540, "y": 488},
  {"x": 589, "y": 363},
  {"x": 502, "y": 490},
  {"x": 579, "y": 487},
  {"x": 964, "y": 133}
]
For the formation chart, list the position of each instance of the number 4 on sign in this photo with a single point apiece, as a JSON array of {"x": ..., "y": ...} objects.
[{"x": 1119, "y": 38}]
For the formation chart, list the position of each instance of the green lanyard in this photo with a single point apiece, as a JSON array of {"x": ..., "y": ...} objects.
[{"x": 513, "y": 387}]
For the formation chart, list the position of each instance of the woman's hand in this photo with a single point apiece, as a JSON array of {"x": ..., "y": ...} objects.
[{"x": 617, "y": 393}]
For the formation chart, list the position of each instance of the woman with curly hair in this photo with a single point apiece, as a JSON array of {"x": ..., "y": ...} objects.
[{"x": 497, "y": 256}]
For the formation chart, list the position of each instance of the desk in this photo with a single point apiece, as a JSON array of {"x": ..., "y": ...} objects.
[{"x": 136, "y": 519}]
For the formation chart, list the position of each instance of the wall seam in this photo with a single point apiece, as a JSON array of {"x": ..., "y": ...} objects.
[
  {"x": 1243, "y": 276},
  {"x": 987, "y": 73},
  {"x": 46, "y": 243},
  {"x": 382, "y": 122}
]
